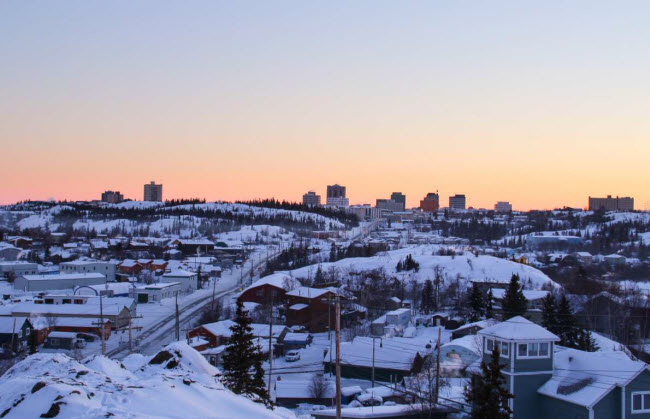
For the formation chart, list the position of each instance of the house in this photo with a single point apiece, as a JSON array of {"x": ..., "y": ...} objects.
[
  {"x": 394, "y": 322},
  {"x": 584, "y": 258},
  {"x": 296, "y": 341},
  {"x": 9, "y": 252},
  {"x": 291, "y": 393},
  {"x": 129, "y": 267},
  {"x": 14, "y": 332},
  {"x": 57, "y": 281},
  {"x": 309, "y": 307},
  {"x": 549, "y": 381},
  {"x": 271, "y": 288},
  {"x": 192, "y": 247},
  {"x": 82, "y": 325},
  {"x": 394, "y": 358},
  {"x": 64, "y": 340},
  {"x": 116, "y": 312},
  {"x": 214, "y": 355},
  {"x": 615, "y": 259},
  {"x": 534, "y": 300},
  {"x": 219, "y": 333},
  {"x": 19, "y": 241},
  {"x": 188, "y": 280},
  {"x": 472, "y": 328}
]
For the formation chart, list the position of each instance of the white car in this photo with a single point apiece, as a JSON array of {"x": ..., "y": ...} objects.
[{"x": 292, "y": 356}]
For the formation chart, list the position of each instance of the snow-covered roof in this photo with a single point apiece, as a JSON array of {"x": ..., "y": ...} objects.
[
  {"x": 7, "y": 324},
  {"x": 481, "y": 324},
  {"x": 530, "y": 295},
  {"x": 179, "y": 274},
  {"x": 301, "y": 389},
  {"x": 308, "y": 292},
  {"x": 278, "y": 280},
  {"x": 69, "y": 277},
  {"x": 62, "y": 335},
  {"x": 467, "y": 342},
  {"x": 222, "y": 328},
  {"x": 298, "y": 307},
  {"x": 519, "y": 329},
  {"x": 583, "y": 378}
]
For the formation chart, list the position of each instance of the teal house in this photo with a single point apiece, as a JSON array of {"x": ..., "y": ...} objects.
[{"x": 550, "y": 381}]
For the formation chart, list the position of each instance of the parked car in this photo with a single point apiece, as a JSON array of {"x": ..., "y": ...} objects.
[{"x": 292, "y": 356}]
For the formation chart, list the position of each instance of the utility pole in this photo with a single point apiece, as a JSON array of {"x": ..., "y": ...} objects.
[
  {"x": 381, "y": 342},
  {"x": 178, "y": 330},
  {"x": 130, "y": 334},
  {"x": 438, "y": 366},
  {"x": 214, "y": 285},
  {"x": 101, "y": 321},
  {"x": 338, "y": 357},
  {"x": 270, "y": 345},
  {"x": 329, "y": 327}
]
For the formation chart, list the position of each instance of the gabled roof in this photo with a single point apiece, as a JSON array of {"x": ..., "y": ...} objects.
[
  {"x": 519, "y": 329},
  {"x": 584, "y": 378},
  {"x": 308, "y": 292},
  {"x": 7, "y": 324}
]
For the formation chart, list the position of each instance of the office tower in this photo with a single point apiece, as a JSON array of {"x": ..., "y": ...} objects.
[
  {"x": 399, "y": 197},
  {"x": 311, "y": 199},
  {"x": 153, "y": 192},
  {"x": 112, "y": 197},
  {"x": 430, "y": 203},
  {"x": 336, "y": 196},
  {"x": 457, "y": 202},
  {"x": 503, "y": 206}
]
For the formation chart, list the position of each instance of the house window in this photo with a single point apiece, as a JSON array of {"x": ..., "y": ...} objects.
[
  {"x": 641, "y": 402},
  {"x": 504, "y": 349},
  {"x": 533, "y": 350},
  {"x": 489, "y": 345}
]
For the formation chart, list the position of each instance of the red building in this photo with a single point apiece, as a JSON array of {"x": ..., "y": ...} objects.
[
  {"x": 430, "y": 203},
  {"x": 310, "y": 307},
  {"x": 272, "y": 288}
]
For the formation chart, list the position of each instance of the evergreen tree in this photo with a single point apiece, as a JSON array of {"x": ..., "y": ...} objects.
[
  {"x": 489, "y": 309},
  {"x": 566, "y": 325},
  {"x": 476, "y": 304},
  {"x": 514, "y": 303},
  {"x": 319, "y": 278},
  {"x": 586, "y": 341},
  {"x": 549, "y": 313},
  {"x": 242, "y": 363},
  {"x": 487, "y": 394},
  {"x": 333, "y": 253}
]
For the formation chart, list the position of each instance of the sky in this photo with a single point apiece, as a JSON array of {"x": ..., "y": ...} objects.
[{"x": 538, "y": 103}]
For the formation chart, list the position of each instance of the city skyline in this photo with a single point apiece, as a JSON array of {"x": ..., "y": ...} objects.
[{"x": 541, "y": 104}]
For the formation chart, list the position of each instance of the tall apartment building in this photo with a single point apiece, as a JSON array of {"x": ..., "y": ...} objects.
[
  {"x": 503, "y": 206},
  {"x": 399, "y": 197},
  {"x": 311, "y": 199},
  {"x": 430, "y": 203},
  {"x": 336, "y": 196},
  {"x": 153, "y": 192},
  {"x": 112, "y": 197},
  {"x": 611, "y": 204},
  {"x": 457, "y": 202}
]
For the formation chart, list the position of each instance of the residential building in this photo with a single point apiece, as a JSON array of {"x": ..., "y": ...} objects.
[
  {"x": 430, "y": 203},
  {"x": 457, "y": 202},
  {"x": 153, "y": 192},
  {"x": 336, "y": 196},
  {"x": 611, "y": 204},
  {"x": 399, "y": 198},
  {"x": 311, "y": 199},
  {"x": 392, "y": 323},
  {"x": 90, "y": 266},
  {"x": 219, "y": 333},
  {"x": 112, "y": 197},
  {"x": 9, "y": 252},
  {"x": 503, "y": 206},
  {"x": 309, "y": 307},
  {"x": 58, "y": 281},
  {"x": 364, "y": 212},
  {"x": 14, "y": 331}
]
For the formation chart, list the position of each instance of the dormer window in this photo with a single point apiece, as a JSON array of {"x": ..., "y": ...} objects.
[{"x": 533, "y": 350}]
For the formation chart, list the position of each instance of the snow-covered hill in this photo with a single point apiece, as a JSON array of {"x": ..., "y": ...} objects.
[
  {"x": 176, "y": 383},
  {"x": 467, "y": 266}
]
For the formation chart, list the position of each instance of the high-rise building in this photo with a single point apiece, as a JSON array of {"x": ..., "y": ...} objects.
[
  {"x": 389, "y": 205},
  {"x": 611, "y": 204},
  {"x": 311, "y": 199},
  {"x": 457, "y": 202},
  {"x": 112, "y": 197},
  {"x": 399, "y": 197},
  {"x": 153, "y": 192},
  {"x": 336, "y": 196},
  {"x": 503, "y": 206},
  {"x": 430, "y": 203}
]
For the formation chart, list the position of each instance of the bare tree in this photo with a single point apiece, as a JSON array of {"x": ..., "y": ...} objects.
[{"x": 317, "y": 386}]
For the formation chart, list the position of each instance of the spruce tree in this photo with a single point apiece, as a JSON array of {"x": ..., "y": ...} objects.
[
  {"x": 242, "y": 363},
  {"x": 549, "y": 313},
  {"x": 319, "y": 278},
  {"x": 586, "y": 341},
  {"x": 489, "y": 309},
  {"x": 514, "y": 303},
  {"x": 487, "y": 394},
  {"x": 566, "y": 325},
  {"x": 476, "y": 304}
]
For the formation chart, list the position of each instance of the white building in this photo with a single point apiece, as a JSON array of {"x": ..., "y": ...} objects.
[
  {"x": 90, "y": 266},
  {"x": 18, "y": 268},
  {"x": 188, "y": 280},
  {"x": 153, "y": 192},
  {"x": 340, "y": 202},
  {"x": 155, "y": 293},
  {"x": 57, "y": 282}
]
